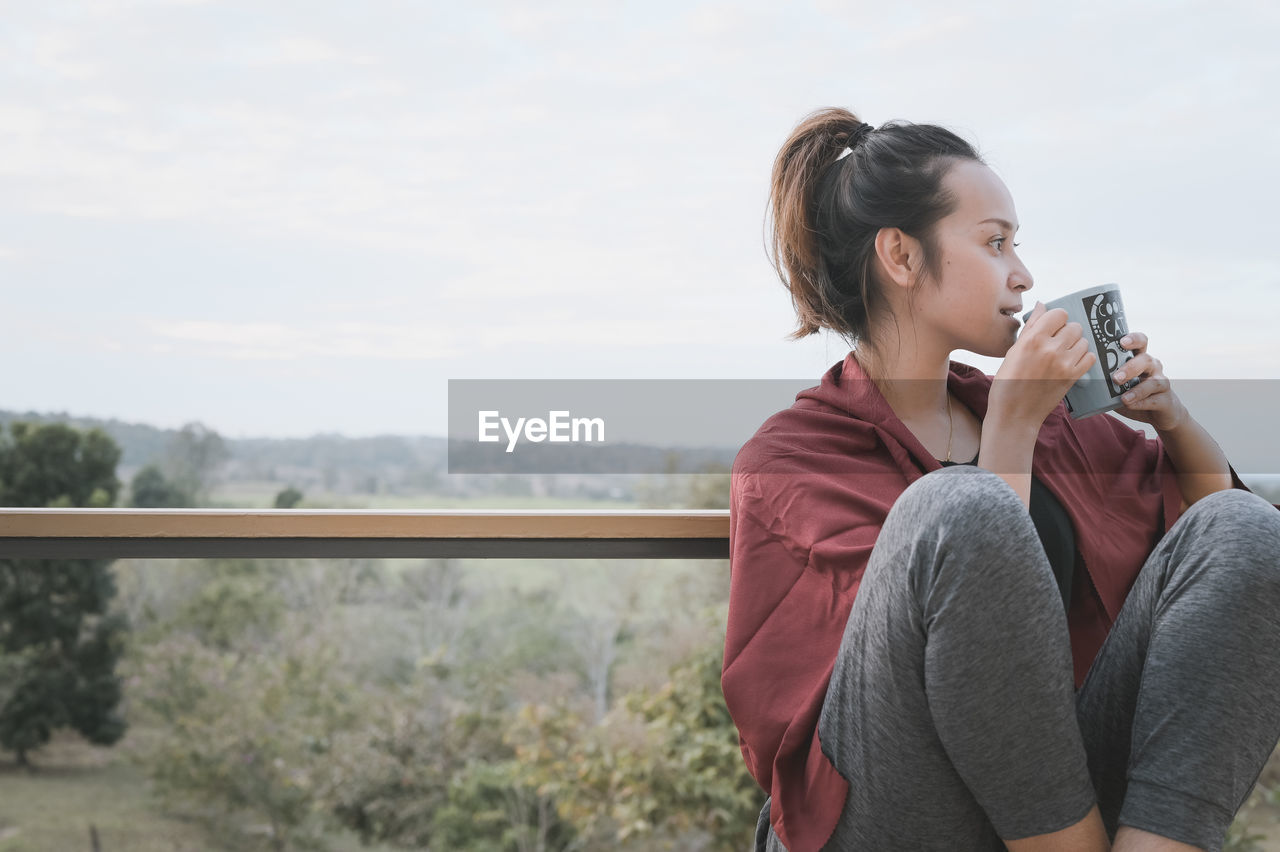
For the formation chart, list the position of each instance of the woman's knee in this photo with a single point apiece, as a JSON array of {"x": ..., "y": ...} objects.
[
  {"x": 1237, "y": 534},
  {"x": 968, "y": 513},
  {"x": 1233, "y": 517},
  {"x": 1237, "y": 502},
  {"x": 972, "y": 496}
]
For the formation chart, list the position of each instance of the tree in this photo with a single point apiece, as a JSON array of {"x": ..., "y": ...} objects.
[
  {"x": 288, "y": 498},
  {"x": 709, "y": 488},
  {"x": 193, "y": 458},
  {"x": 54, "y": 465},
  {"x": 151, "y": 490},
  {"x": 58, "y": 644},
  {"x": 663, "y": 769},
  {"x": 239, "y": 736}
]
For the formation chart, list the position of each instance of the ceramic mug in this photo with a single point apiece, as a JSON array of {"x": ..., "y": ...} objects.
[{"x": 1100, "y": 313}]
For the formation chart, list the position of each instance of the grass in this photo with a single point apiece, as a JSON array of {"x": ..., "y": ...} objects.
[
  {"x": 242, "y": 497},
  {"x": 1260, "y": 816},
  {"x": 75, "y": 785}
]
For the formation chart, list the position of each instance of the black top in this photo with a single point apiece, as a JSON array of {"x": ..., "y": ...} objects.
[{"x": 1056, "y": 533}]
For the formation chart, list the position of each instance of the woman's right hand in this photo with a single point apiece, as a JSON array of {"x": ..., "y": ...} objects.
[{"x": 1049, "y": 356}]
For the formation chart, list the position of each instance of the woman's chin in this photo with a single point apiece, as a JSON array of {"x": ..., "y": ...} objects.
[{"x": 998, "y": 350}]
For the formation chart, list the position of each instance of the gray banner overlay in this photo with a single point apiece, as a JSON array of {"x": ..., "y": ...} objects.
[{"x": 654, "y": 426}]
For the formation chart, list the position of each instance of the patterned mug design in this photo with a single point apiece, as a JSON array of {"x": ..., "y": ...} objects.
[{"x": 1108, "y": 325}]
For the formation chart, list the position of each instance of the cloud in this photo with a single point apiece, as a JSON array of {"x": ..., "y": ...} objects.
[
  {"x": 500, "y": 175},
  {"x": 59, "y": 54},
  {"x": 431, "y": 338},
  {"x": 259, "y": 341},
  {"x": 295, "y": 50}
]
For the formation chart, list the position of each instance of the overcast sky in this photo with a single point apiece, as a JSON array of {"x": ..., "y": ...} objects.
[{"x": 283, "y": 218}]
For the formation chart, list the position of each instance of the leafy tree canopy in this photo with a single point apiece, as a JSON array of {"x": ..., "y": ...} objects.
[
  {"x": 58, "y": 643},
  {"x": 288, "y": 498},
  {"x": 57, "y": 466},
  {"x": 150, "y": 489}
]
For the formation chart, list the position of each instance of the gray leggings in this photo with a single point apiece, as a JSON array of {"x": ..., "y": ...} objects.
[{"x": 952, "y": 710}]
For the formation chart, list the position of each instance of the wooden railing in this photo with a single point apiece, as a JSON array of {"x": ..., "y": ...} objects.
[{"x": 341, "y": 533}]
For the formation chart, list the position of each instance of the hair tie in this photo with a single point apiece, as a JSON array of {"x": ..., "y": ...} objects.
[
  {"x": 859, "y": 134},
  {"x": 855, "y": 138}
]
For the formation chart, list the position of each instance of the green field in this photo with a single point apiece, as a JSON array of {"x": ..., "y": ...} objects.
[
  {"x": 73, "y": 785},
  {"x": 247, "y": 495}
]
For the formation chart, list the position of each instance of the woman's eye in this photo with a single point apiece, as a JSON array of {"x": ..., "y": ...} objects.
[{"x": 998, "y": 242}]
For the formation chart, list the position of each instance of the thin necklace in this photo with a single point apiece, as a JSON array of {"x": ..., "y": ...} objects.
[{"x": 950, "y": 426}]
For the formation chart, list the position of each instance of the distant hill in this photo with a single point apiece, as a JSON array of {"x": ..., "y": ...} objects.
[
  {"x": 332, "y": 465},
  {"x": 143, "y": 444}
]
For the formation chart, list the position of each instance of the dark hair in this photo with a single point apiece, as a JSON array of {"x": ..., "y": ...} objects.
[{"x": 827, "y": 210}]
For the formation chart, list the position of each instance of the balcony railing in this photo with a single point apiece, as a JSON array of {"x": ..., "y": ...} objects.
[{"x": 342, "y": 533}]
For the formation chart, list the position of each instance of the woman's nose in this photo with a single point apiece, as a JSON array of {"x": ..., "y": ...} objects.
[{"x": 1021, "y": 278}]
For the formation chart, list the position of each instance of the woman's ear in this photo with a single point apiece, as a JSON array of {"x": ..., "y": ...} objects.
[{"x": 899, "y": 256}]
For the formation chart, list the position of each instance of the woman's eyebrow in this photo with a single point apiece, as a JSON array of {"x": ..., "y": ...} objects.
[{"x": 1002, "y": 223}]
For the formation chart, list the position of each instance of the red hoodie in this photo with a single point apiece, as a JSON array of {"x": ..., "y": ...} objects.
[{"x": 810, "y": 491}]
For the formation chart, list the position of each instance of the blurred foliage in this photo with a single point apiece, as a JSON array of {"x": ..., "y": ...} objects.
[
  {"x": 439, "y": 775},
  {"x": 493, "y": 806},
  {"x": 288, "y": 498},
  {"x": 663, "y": 771},
  {"x": 1264, "y": 797},
  {"x": 535, "y": 639},
  {"x": 184, "y": 473},
  {"x": 244, "y": 735},
  {"x": 1240, "y": 838},
  {"x": 438, "y": 706},
  {"x": 56, "y": 466},
  {"x": 261, "y": 700},
  {"x": 58, "y": 642},
  {"x": 239, "y": 604},
  {"x": 706, "y": 488},
  {"x": 149, "y": 489},
  {"x": 192, "y": 460}
]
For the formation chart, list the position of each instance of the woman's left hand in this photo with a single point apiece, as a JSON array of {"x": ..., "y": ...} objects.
[{"x": 1152, "y": 400}]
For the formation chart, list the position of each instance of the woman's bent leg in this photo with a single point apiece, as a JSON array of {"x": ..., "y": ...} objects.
[
  {"x": 951, "y": 708},
  {"x": 1181, "y": 708}
]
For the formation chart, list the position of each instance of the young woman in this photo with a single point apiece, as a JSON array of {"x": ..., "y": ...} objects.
[{"x": 960, "y": 619}]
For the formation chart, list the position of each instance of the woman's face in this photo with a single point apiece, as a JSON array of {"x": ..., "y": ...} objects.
[{"x": 979, "y": 272}]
